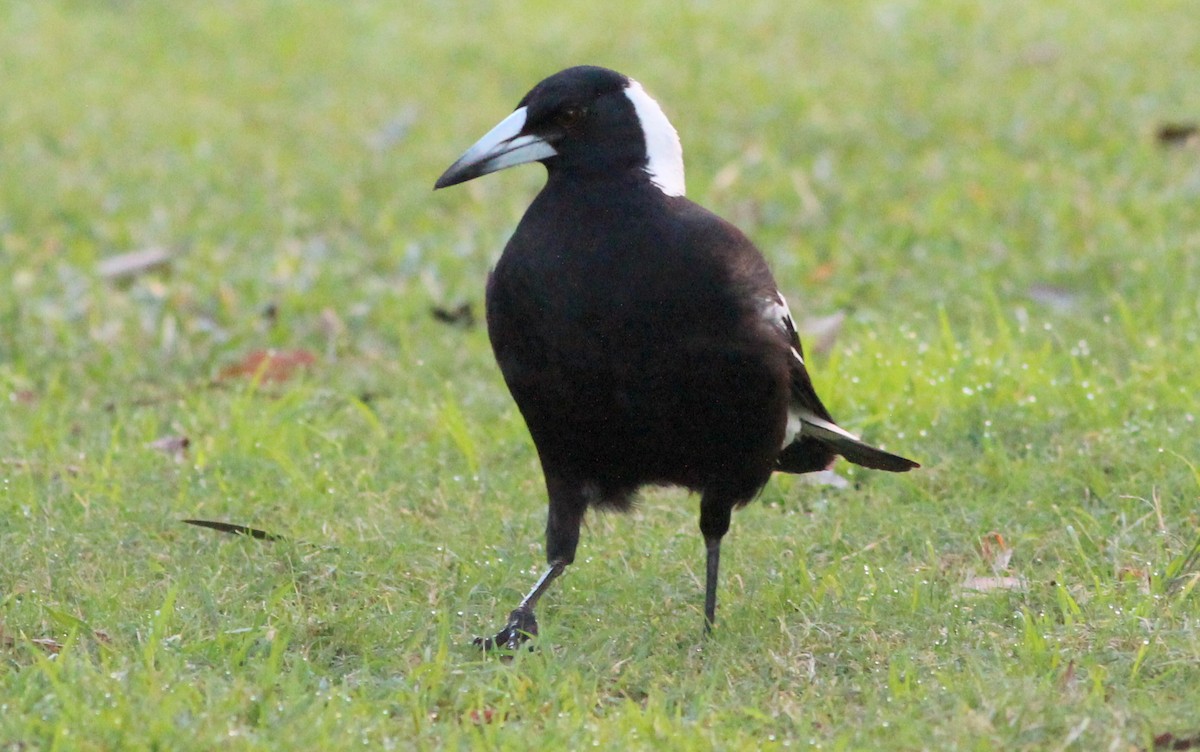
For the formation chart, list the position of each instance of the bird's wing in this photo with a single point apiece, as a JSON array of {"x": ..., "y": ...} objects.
[
  {"x": 804, "y": 396},
  {"x": 813, "y": 438}
]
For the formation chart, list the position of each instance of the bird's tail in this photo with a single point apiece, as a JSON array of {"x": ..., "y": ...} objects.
[{"x": 818, "y": 434}]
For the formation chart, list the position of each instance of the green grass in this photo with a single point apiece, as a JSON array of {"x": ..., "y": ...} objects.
[{"x": 978, "y": 185}]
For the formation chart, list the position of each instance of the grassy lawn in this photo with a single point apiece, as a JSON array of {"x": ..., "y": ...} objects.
[{"x": 978, "y": 187}]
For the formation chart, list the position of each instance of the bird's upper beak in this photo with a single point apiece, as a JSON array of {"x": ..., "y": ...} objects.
[{"x": 503, "y": 146}]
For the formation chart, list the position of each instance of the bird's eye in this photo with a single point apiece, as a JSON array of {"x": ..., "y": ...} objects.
[{"x": 569, "y": 117}]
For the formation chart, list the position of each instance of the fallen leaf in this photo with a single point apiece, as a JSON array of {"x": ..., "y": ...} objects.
[
  {"x": 172, "y": 446},
  {"x": 1170, "y": 741},
  {"x": 821, "y": 333},
  {"x": 269, "y": 365},
  {"x": 822, "y": 272},
  {"x": 49, "y": 644},
  {"x": 988, "y": 584},
  {"x": 1059, "y": 298},
  {"x": 235, "y": 529},
  {"x": 825, "y": 478},
  {"x": 1136, "y": 575},
  {"x": 331, "y": 324},
  {"x": 1177, "y": 134},
  {"x": 995, "y": 551},
  {"x": 487, "y": 715},
  {"x": 1067, "y": 677},
  {"x": 133, "y": 263},
  {"x": 810, "y": 204},
  {"x": 462, "y": 315},
  {"x": 24, "y": 397},
  {"x": 24, "y": 464},
  {"x": 726, "y": 177}
]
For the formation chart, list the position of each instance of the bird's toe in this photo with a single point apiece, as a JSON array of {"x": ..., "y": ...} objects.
[{"x": 521, "y": 627}]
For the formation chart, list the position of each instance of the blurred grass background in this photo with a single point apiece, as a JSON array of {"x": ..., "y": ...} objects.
[{"x": 978, "y": 186}]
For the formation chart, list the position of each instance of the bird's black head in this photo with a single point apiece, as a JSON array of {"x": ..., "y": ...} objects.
[{"x": 581, "y": 121}]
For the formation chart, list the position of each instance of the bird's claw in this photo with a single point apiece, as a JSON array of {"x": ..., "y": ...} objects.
[{"x": 521, "y": 627}]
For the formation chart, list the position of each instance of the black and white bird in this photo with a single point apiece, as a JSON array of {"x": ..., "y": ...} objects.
[{"x": 642, "y": 336}]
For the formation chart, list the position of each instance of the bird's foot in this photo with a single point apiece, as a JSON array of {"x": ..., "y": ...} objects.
[{"x": 520, "y": 628}]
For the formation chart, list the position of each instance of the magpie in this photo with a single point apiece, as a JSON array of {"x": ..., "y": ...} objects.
[{"x": 642, "y": 337}]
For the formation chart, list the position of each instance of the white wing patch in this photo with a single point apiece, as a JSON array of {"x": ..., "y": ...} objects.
[
  {"x": 801, "y": 421},
  {"x": 775, "y": 310},
  {"x": 820, "y": 425},
  {"x": 795, "y": 427},
  {"x": 664, "y": 154}
]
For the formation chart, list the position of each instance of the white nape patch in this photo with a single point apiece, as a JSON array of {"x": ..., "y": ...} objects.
[{"x": 664, "y": 154}]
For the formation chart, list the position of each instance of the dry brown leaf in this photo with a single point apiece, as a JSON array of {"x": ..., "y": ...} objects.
[
  {"x": 331, "y": 324},
  {"x": 1056, "y": 297},
  {"x": 1135, "y": 574},
  {"x": 821, "y": 333},
  {"x": 1067, "y": 677},
  {"x": 825, "y": 478},
  {"x": 1170, "y": 741},
  {"x": 49, "y": 644},
  {"x": 269, "y": 365},
  {"x": 24, "y": 464},
  {"x": 995, "y": 551},
  {"x": 1177, "y": 134},
  {"x": 173, "y": 446},
  {"x": 822, "y": 272},
  {"x": 133, "y": 263},
  {"x": 485, "y": 716},
  {"x": 461, "y": 315},
  {"x": 988, "y": 584}
]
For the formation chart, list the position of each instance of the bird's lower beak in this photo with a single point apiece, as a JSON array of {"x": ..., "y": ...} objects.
[{"x": 503, "y": 146}]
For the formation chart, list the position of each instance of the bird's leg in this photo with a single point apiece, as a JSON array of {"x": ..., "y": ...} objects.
[
  {"x": 568, "y": 502},
  {"x": 715, "y": 511},
  {"x": 521, "y": 623},
  {"x": 713, "y": 545}
]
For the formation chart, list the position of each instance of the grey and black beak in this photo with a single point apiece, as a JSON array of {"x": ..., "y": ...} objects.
[{"x": 503, "y": 146}]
